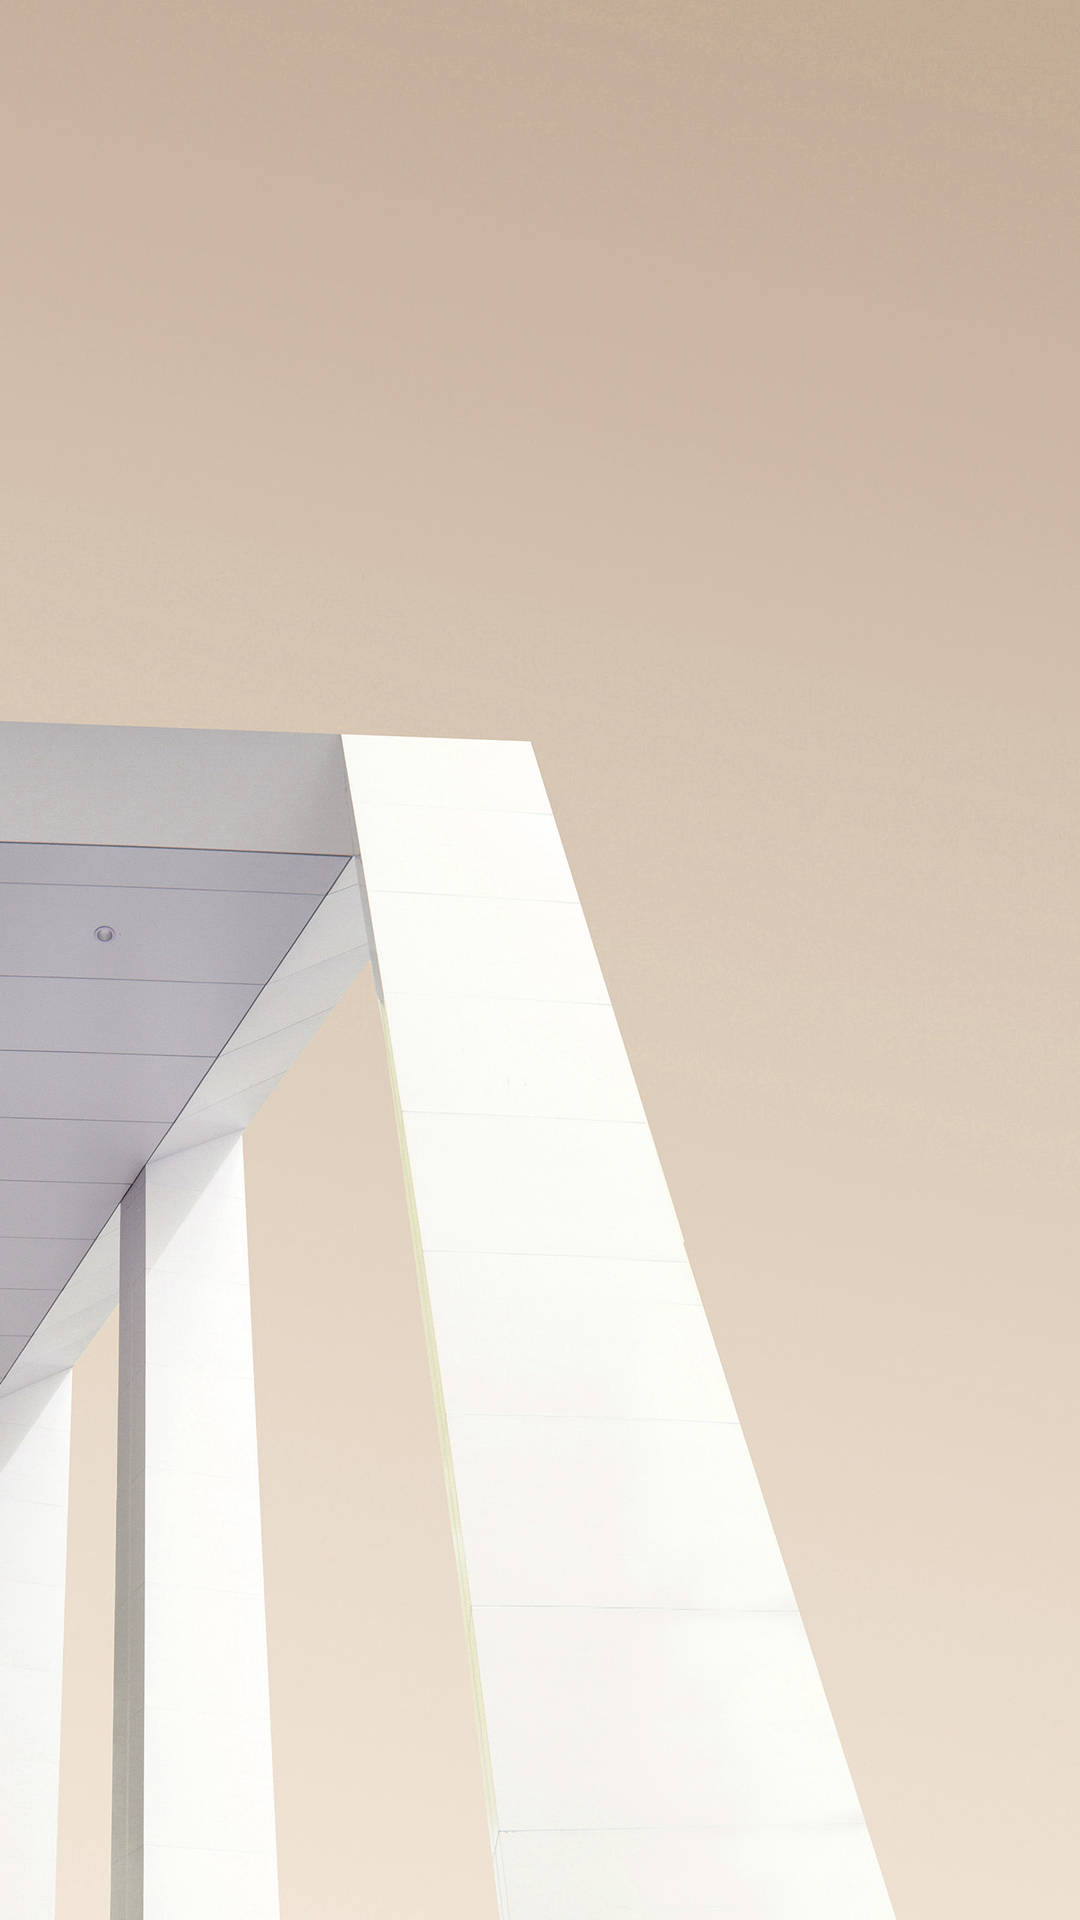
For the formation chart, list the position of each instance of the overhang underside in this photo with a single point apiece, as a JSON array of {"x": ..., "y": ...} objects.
[{"x": 151, "y": 995}]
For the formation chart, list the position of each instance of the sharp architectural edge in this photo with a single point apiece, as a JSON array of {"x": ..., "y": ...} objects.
[
  {"x": 329, "y": 952},
  {"x": 655, "y": 1737}
]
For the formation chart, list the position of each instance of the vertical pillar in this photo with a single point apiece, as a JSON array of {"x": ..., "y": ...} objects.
[
  {"x": 35, "y": 1444},
  {"x": 656, "y": 1736},
  {"x": 193, "y": 1807}
]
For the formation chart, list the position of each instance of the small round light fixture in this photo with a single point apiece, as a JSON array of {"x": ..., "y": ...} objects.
[{"x": 104, "y": 933}]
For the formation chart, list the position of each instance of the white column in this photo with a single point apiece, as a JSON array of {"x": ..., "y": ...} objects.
[
  {"x": 193, "y": 1806},
  {"x": 656, "y": 1737},
  {"x": 35, "y": 1446}
]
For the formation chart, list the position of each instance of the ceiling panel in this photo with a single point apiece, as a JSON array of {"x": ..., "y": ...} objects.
[
  {"x": 98, "y": 1086},
  {"x": 338, "y": 927},
  {"x": 41, "y": 1263},
  {"x": 119, "y": 1016},
  {"x": 21, "y": 1310},
  {"x": 11, "y": 1345},
  {"x": 61, "y": 1207},
  {"x": 48, "y": 864},
  {"x": 104, "y": 1042},
  {"x": 154, "y": 933},
  {"x": 330, "y": 952},
  {"x": 76, "y": 1149},
  {"x": 294, "y": 996},
  {"x": 76, "y": 1315}
]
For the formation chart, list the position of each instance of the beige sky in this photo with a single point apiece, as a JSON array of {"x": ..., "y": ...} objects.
[{"x": 692, "y": 390}]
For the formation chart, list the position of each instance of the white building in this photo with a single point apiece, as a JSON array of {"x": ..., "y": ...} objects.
[{"x": 179, "y": 911}]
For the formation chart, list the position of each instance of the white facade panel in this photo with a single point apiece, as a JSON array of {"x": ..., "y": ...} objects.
[
  {"x": 499, "y": 776},
  {"x": 631, "y": 1717},
  {"x": 177, "y": 1878},
  {"x": 523, "y": 1334},
  {"x": 563, "y": 1060},
  {"x": 459, "y": 850},
  {"x": 658, "y": 1742},
  {"x": 193, "y": 1786},
  {"x": 523, "y": 1184},
  {"x": 825, "y": 1873},
  {"x": 594, "y": 1512},
  {"x": 35, "y": 1444},
  {"x": 471, "y": 946}
]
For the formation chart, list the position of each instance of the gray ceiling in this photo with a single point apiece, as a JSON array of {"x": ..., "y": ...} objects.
[{"x": 103, "y": 1041}]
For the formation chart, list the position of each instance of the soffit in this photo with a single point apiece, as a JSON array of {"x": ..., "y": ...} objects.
[{"x": 103, "y": 1041}]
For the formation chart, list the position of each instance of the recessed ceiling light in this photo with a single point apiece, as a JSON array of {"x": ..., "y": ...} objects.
[{"x": 104, "y": 933}]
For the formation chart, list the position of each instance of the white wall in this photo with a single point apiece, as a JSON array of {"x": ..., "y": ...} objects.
[
  {"x": 194, "y": 1829},
  {"x": 656, "y": 1738},
  {"x": 35, "y": 1445}
]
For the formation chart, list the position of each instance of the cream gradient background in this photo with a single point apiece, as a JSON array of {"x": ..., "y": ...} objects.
[{"x": 691, "y": 388}]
